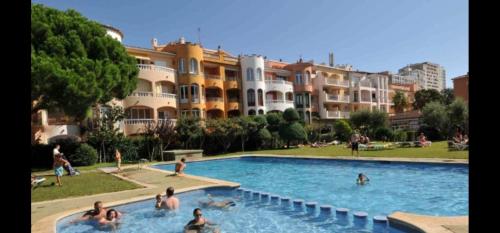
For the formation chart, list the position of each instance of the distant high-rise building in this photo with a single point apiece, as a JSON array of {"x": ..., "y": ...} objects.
[{"x": 427, "y": 75}]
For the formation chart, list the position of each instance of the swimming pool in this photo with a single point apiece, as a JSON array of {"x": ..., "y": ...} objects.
[
  {"x": 421, "y": 188},
  {"x": 249, "y": 215}
]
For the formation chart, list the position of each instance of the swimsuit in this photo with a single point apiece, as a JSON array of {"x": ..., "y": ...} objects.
[{"x": 59, "y": 171}]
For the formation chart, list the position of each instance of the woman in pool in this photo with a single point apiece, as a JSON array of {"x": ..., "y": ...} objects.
[
  {"x": 216, "y": 204},
  {"x": 362, "y": 179},
  {"x": 200, "y": 224},
  {"x": 111, "y": 217}
]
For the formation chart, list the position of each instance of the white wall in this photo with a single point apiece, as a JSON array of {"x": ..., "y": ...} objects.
[{"x": 253, "y": 62}]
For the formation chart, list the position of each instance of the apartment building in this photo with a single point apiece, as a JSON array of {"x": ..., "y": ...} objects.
[
  {"x": 302, "y": 74},
  {"x": 408, "y": 91},
  {"x": 427, "y": 75},
  {"x": 461, "y": 87},
  {"x": 332, "y": 92}
]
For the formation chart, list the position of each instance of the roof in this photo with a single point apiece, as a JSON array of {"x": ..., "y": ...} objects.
[
  {"x": 462, "y": 76},
  {"x": 149, "y": 50},
  {"x": 114, "y": 29}
]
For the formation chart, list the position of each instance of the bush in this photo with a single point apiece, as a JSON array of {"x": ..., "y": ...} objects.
[
  {"x": 342, "y": 130},
  {"x": 383, "y": 133},
  {"x": 400, "y": 136},
  {"x": 411, "y": 135},
  {"x": 327, "y": 137},
  {"x": 68, "y": 146},
  {"x": 128, "y": 149},
  {"x": 85, "y": 155}
]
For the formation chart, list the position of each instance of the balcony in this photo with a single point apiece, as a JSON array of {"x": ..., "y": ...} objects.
[
  {"x": 233, "y": 104},
  {"x": 156, "y": 73},
  {"x": 279, "y": 85},
  {"x": 334, "y": 114},
  {"x": 213, "y": 81},
  {"x": 336, "y": 98},
  {"x": 363, "y": 85},
  {"x": 215, "y": 103},
  {"x": 336, "y": 82},
  {"x": 280, "y": 105},
  {"x": 150, "y": 99},
  {"x": 231, "y": 83}
]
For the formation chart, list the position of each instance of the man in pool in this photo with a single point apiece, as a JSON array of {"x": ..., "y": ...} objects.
[
  {"x": 216, "y": 204},
  {"x": 200, "y": 224},
  {"x": 180, "y": 166},
  {"x": 96, "y": 214},
  {"x": 171, "y": 203},
  {"x": 362, "y": 179},
  {"x": 159, "y": 202}
]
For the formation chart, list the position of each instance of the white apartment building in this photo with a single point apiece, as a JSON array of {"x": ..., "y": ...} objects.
[{"x": 427, "y": 75}]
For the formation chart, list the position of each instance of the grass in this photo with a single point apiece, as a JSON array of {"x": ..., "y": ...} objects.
[
  {"x": 85, "y": 184},
  {"x": 437, "y": 150}
]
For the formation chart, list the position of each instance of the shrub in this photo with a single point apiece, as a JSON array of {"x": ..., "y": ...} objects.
[
  {"x": 383, "y": 133},
  {"x": 85, "y": 155},
  {"x": 411, "y": 135},
  {"x": 342, "y": 130},
  {"x": 68, "y": 146},
  {"x": 400, "y": 136},
  {"x": 128, "y": 149},
  {"x": 292, "y": 132}
]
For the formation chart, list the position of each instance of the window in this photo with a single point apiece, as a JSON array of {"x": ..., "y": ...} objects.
[
  {"x": 261, "y": 97},
  {"x": 299, "y": 100},
  {"x": 251, "y": 97},
  {"x": 184, "y": 93},
  {"x": 160, "y": 63},
  {"x": 307, "y": 79},
  {"x": 184, "y": 113},
  {"x": 251, "y": 112},
  {"x": 250, "y": 74},
  {"x": 193, "y": 66},
  {"x": 181, "y": 66},
  {"x": 195, "y": 93},
  {"x": 261, "y": 112},
  {"x": 259, "y": 74},
  {"x": 306, "y": 100},
  {"x": 138, "y": 113},
  {"x": 298, "y": 78}
]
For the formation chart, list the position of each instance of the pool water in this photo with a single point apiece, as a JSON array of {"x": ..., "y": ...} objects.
[
  {"x": 248, "y": 216},
  {"x": 429, "y": 189}
]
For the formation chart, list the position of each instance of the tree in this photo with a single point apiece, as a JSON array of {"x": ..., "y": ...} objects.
[
  {"x": 105, "y": 134},
  {"x": 378, "y": 119},
  {"x": 361, "y": 120},
  {"x": 342, "y": 130},
  {"x": 447, "y": 96},
  {"x": 247, "y": 126},
  {"x": 400, "y": 101},
  {"x": 274, "y": 120},
  {"x": 158, "y": 136},
  {"x": 458, "y": 115},
  {"x": 422, "y": 97},
  {"x": 223, "y": 130},
  {"x": 434, "y": 118},
  {"x": 292, "y": 131},
  {"x": 74, "y": 64},
  {"x": 189, "y": 131}
]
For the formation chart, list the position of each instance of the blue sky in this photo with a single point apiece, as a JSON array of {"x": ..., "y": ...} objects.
[{"x": 372, "y": 35}]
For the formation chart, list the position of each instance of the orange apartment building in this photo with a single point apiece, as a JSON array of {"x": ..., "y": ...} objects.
[{"x": 461, "y": 87}]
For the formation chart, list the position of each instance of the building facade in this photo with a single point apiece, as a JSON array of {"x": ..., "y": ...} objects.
[
  {"x": 461, "y": 87},
  {"x": 427, "y": 75}
]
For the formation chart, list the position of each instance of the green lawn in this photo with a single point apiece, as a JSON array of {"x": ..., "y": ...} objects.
[
  {"x": 437, "y": 150},
  {"x": 85, "y": 184}
]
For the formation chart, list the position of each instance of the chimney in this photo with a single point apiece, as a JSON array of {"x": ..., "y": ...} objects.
[
  {"x": 330, "y": 59},
  {"x": 182, "y": 40},
  {"x": 154, "y": 41}
]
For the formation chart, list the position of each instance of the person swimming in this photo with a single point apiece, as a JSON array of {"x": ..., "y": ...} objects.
[
  {"x": 200, "y": 224},
  {"x": 362, "y": 179},
  {"x": 159, "y": 202},
  {"x": 216, "y": 204}
]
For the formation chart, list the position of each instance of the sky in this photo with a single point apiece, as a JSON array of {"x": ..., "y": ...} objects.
[{"x": 371, "y": 35}]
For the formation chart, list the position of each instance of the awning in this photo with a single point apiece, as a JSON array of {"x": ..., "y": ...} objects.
[{"x": 142, "y": 58}]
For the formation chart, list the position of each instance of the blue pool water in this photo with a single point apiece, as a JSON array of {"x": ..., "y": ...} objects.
[
  {"x": 248, "y": 216},
  {"x": 430, "y": 189}
]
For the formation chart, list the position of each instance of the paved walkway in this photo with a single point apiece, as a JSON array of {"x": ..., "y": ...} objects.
[{"x": 431, "y": 224}]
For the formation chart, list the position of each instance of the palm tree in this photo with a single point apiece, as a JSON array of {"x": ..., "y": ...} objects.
[{"x": 400, "y": 101}]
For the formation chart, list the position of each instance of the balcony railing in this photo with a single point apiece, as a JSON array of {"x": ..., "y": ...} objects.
[
  {"x": 279, "y": 101},
  {"x": 212, "y": 76},
  {"x": 154, "y": 68},
  {"x": 214, "y": 99},
  {"x": 142, "y": 93},
  {"x": 337, "y": 98},
  {"x": 166, "y": 95},
  {"x": 337, "y": 82},
  {"x": 269, "y": 82},
  {"x": 161, "y": 121},
  {"x": 337, "y": 114},
  {"x": 228, "y": 78},
  {"x": 137, "y": 121}
]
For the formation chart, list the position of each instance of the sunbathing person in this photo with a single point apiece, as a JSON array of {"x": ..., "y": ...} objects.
[
  {"x": 199, "y": 224},
  {"x": 423, "y": 140},
  {"x": 216, "y": 204},
  {"x": 362, "y": 179}
]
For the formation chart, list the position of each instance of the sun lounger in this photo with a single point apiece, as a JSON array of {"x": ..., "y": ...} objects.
[
  {"x": 37, "y": 181},
  {"x": 457, "y": 146}
]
